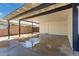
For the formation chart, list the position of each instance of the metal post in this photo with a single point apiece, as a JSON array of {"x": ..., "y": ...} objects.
[
  {"x": 19, "y": 28},
  {"x": 32, "y": 28},
  {"x": 8, "y": 29},
  {"x": 8, "y": 35},
  {"x": 75, "y": 27}
]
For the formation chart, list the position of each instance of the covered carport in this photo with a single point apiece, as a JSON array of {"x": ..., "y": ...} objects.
[{"x": 55, "y": 22}]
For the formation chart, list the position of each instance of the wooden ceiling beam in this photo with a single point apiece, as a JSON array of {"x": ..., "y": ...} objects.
[
  {"x": 31, "y": 21},
  {"x": 41, "y": 6},
  {"x": 50, "y": 11}
]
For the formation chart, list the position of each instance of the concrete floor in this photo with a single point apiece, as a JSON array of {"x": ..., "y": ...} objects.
[
  {"x": 18, "y": 51},
  {"x": 59, "y": 46},
  {"x": 14, "y": 48}
]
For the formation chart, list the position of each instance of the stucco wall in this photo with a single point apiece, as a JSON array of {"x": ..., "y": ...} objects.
[
  {"x": 70, "y": 33},
  {"x": 55, "y": 27}
]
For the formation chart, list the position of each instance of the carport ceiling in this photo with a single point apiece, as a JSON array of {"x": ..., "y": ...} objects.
[
  {"x": 26, "y": 8},
  {"x": 13, "y": 16},
  {"x": 58, "y": 16}
]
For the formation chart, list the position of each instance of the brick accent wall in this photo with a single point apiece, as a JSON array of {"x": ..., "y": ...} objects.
[{"x": 14, "y": 29}]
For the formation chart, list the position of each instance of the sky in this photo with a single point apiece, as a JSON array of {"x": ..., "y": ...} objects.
[{"x": 7, "y": 8}]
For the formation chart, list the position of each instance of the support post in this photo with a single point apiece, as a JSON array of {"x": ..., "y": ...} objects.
[
  {"x": 19, "y": 28},
  {"x": 75, "y": 27},
  {"x": 32, "y": 28},
  {"x": 8, "y": 29}
]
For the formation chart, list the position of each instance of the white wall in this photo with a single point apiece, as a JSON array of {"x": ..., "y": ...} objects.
[
  {"x": 55, "y": 23},
  {"x": 70, "y": 27},
  {"x": 55, "y": 27}
]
